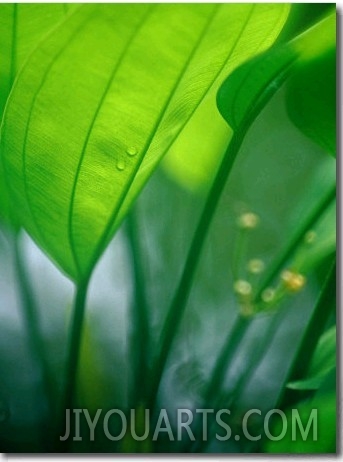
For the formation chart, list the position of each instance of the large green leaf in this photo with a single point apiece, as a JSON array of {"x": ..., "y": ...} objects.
[
  {"x": 242, "y": 91},
  {"x": 100, "y": 101},
  {"x": 22, "y": 26}
]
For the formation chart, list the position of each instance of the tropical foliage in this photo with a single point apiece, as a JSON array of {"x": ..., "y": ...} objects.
[{"x": 169, "y": 164}]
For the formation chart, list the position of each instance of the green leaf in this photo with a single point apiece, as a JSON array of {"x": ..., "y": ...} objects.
[
  {"x": 323, "y": 362},
  {"x": 239, "y": 97},
  {"x": 22, "y": 26},
  {"x": 97, "y": 105},
  {"x": 311, "y": 100}
]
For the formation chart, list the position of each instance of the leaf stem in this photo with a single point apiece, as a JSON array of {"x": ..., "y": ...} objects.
[
  {"x": 73, "y": 355},
  {"x": 295, "y": 240},
  {"x": 140, "y": 338}
]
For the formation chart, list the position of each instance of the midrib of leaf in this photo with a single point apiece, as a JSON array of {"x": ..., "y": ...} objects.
[
  {"x": 45, "y": 75},
  {"x": 89, "y": 132}
]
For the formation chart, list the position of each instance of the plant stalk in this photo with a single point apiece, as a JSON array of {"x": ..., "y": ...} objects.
[
  {"x": 139, "y": 340},
  {"x": 254, "y": 359},
  {"x": 73, "y": 356},
  {"x": 180, "y": 300},
  {"x": 225, "y": 358}
]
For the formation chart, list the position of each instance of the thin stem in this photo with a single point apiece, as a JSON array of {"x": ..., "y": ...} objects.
[
  {"x": 225, "y": 358},
  {"x": 179, "y": 302},
  {"x": 314, "y": 330},
  {"x": 255, "y": 358},
  {"x": 73, "y": 356},
  {"x": 139, "y": 341},
  {"x": 30, "y": 315},
  {"x": 295, "y": 240}
]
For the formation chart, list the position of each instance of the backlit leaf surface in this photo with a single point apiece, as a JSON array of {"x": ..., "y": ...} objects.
[{"x": 98, "y": 104}]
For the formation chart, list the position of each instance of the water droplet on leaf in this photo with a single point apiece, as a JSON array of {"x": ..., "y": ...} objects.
[
  {"x": 120, "y": 165},
  {"x": 131, "y": 151}
]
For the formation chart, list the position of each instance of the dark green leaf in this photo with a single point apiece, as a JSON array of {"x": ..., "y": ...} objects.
[
  {"x": 240, "y": 94},
  {"x": 311, "y": 99}
]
